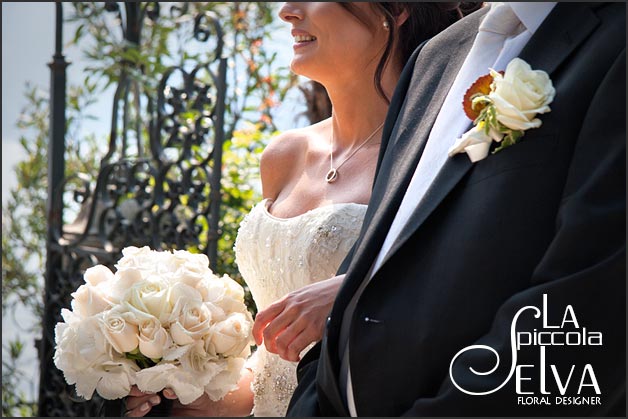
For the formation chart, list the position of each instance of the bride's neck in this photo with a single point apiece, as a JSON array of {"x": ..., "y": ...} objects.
[{"x": 358, "y": 109}]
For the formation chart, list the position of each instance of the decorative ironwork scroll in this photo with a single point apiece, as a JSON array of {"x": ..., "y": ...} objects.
[{"x": 158, "y": 184}]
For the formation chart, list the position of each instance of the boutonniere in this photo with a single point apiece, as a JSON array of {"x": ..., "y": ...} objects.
[{"x": 502, "y": 106}]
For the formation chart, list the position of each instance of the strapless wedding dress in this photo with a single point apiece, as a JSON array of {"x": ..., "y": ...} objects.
[{"x": 278, "y": 255}]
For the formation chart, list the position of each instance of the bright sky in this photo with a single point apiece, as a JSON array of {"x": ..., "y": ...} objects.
[{"x": 27, "y": 46}]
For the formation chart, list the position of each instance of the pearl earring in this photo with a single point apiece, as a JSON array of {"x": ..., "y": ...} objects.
[{"x": 386, "y": 25}]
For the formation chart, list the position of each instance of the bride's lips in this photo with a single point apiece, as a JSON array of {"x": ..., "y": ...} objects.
[{"x": 302, "y": 38}]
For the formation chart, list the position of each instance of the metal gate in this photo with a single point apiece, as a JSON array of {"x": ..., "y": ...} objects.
[{"x": 158, "y": 184}]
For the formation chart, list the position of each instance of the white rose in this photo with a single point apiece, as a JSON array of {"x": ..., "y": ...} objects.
[
  {"x": 227, "y": 380},
  {"x": 198, "y": 360},
  {"x": 78, "y": 346},
  {"x": 150, "y": 296},
  {"x": 88, "y": 300},
  {"x": 125, "y": 278},
  {"x": 148, "y": 262},
  {"x": 116, "y": 328},
  {"x": 224, "y": 293},
  {"x": 196, "y": 262},
  {"x": 200, "y": 371},
  {"x": 116, "y": 378},
  {"x": 211, "y": 288},
  {"x": 520, "y": 94},
  {"x": 232, "y": 336},
  {"x": 475, "y": 143},
  {"x": 167, "y": 263},
  {"x": 193, "y": 275},
  {"x": 184, "y": 383},
  {"x": 153, "y": 338},
  {"x": 135, "y": 257},
  {"x": 156, "y": 378},
  {"x": 190, "y": 321},
  {"x": 84, "y": 356},
  {"x": 218, "y": 314},
  {"x": 132, "y": 252},
  {"x": 180, "y": 291},
  {"x": 97, "y": 274},
  {"x": 69, "y": 317},
  {"x": 187, "y": 380}
]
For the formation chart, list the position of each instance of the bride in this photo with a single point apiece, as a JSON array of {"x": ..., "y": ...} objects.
[{"x": 316, "y": 183}]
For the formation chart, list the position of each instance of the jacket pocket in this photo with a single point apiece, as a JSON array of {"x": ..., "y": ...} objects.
[{"x": 531, "y": 150}]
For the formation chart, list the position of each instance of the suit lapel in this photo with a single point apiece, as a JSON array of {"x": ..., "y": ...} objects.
[
  {"x": 566, "y": 27},
  {"x": 409, "y": 137},
  {"x": 409, "y": 133},
  {"x": 451, "y": 173},
  {"x": 546, "y": 50}
]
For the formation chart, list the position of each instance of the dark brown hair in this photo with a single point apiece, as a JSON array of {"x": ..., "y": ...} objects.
[{"x": 425, "y": 19}]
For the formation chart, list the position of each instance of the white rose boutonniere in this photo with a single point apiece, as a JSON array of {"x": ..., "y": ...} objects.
[{"x": 502, "y": 106}]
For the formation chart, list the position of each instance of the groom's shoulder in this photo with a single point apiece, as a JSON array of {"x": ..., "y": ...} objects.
[
  {"x": 431, "y": 58},
  {"x": 608, "y": 9},
  {"x": 605, "y": 13},
  {"x": 456, "y": 33},
  {"x": 610, "y": 13}
]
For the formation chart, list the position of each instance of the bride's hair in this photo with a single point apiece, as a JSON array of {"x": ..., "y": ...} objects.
[{"x": 425, "y": 19}]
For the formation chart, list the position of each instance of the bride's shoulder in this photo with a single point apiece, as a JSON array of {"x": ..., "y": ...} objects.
[
  {"x": 293, "y": 143},
  {"x": 285, "y": 145},
  {"x": 285, "y": 155}
]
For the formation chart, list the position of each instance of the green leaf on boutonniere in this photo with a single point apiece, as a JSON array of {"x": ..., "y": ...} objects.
[{"x": 511, "y": 138}]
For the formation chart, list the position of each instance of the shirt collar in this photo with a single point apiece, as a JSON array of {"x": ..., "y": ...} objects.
[{"x": 532, "y": 14}]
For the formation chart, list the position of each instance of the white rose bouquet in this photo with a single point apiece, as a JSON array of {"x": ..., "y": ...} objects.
[{"x": 162, "y": 320}]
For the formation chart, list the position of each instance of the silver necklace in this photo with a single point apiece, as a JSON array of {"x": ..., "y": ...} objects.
[{"x": 332, "y": 174}]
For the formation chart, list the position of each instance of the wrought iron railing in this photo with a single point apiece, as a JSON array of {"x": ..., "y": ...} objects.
[{"x": 158, "y": 184}]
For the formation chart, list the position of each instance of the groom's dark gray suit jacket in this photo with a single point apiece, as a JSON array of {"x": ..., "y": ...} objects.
[{"x": 545, "y": 216}]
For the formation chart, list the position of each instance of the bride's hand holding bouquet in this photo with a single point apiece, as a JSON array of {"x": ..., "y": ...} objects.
[{"x": 162, "y": 320}]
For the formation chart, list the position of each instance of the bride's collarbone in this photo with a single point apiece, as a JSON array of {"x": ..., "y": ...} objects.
[{"x": 301, "y": 203}]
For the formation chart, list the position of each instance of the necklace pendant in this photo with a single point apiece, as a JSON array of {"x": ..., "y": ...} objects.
[{"x": 331, "y": 176}]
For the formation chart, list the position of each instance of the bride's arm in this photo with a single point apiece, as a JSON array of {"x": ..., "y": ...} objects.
[
  {"x": 298, "y": 319},
  {"x": 236, "y": 403}
]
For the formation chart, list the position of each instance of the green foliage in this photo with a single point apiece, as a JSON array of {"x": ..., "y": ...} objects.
[
  {"x": 24, "y": 226},
  {"x": 256, "y": 82},
  {"x": 14, "y": 403},
  {"x": 23, "y": 250},
  {"x": 23, "y": 217},
  {"x": 241, "y": 189},
  {"x": 23, "y": 223}
]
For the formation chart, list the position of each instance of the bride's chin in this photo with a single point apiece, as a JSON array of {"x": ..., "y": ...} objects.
[{"x": 302, "y": 66}]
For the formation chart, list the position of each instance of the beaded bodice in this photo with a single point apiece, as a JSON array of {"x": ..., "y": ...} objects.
[{"x": 278, "y": 255}]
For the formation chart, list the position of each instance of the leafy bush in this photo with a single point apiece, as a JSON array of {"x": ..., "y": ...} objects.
[{"x": 256, "y": 82}]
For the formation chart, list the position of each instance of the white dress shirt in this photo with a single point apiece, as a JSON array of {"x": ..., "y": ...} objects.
[
  {"x": 451, "y": 121},
  {"x": 450, "y": 124}
]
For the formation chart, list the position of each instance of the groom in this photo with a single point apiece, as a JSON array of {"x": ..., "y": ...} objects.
[{"x": 494, "y": 288}]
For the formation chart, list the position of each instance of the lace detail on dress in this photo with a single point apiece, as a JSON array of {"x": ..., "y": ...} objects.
[
  {"x": 278, "y": 255},
  {"x": 274, "y": 382}
]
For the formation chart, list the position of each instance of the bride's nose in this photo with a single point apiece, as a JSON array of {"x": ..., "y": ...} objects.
[{"x": 290, "y": 12}]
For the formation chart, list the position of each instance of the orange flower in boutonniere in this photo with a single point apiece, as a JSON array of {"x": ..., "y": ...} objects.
[
  {"x": 502, "y": 105},
  {"x": 480, "y": 88}
]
